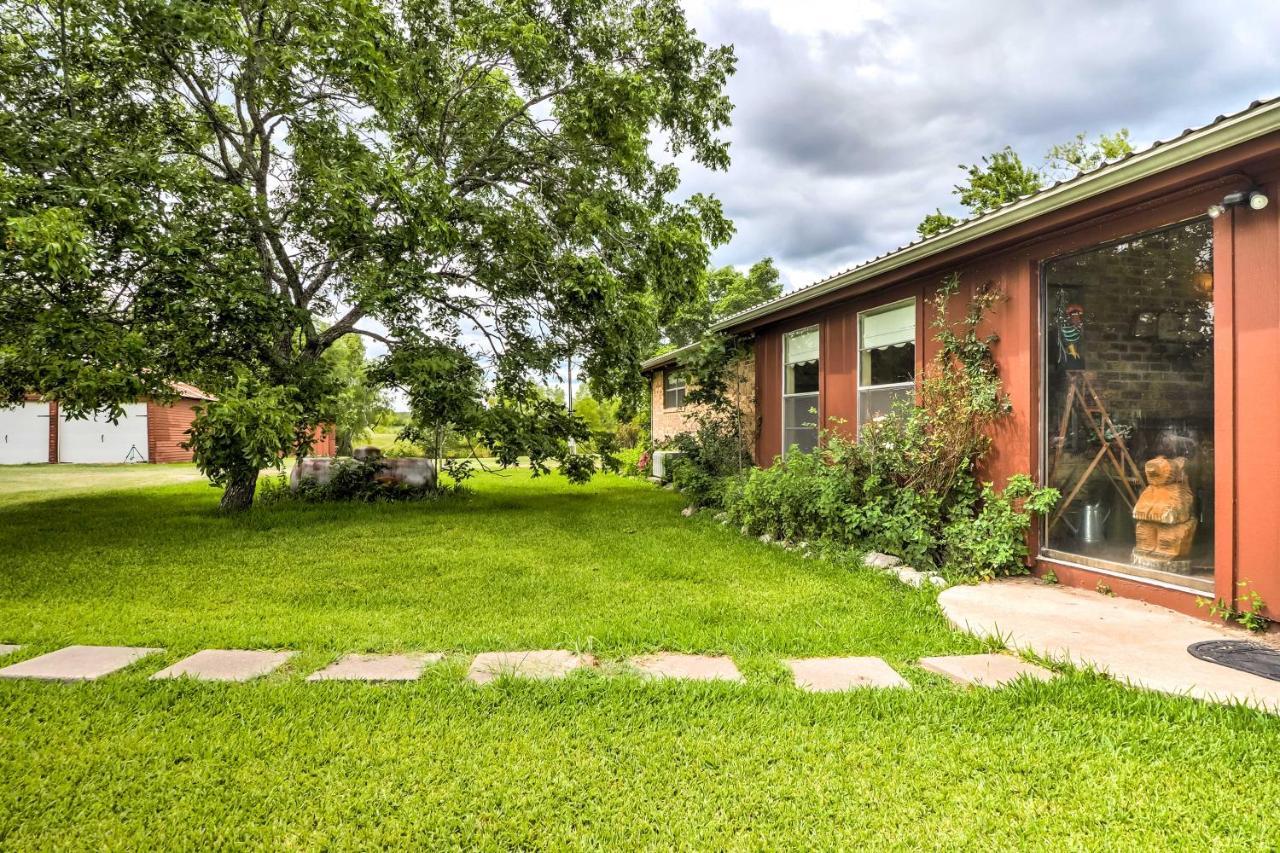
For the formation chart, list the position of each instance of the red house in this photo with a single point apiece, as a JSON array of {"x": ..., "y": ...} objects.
[{"x": 1142, "y": 320}]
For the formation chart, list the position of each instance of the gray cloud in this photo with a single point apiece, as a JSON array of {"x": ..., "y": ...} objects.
[{"x": 846, "y": 134}]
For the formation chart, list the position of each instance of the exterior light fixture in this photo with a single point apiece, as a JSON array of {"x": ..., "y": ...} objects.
[{"x": 1255, "y": 198}]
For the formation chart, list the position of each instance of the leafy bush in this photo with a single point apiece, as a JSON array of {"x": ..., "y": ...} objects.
[
  {"x": 634, "y": 462},
  {"x": 994, "y": 541}
]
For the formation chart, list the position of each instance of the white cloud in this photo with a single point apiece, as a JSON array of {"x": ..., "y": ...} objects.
[{"x": 851, "y": 117}]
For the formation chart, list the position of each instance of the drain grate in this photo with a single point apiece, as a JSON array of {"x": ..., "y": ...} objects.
[{"x": 1243, "y": 655}]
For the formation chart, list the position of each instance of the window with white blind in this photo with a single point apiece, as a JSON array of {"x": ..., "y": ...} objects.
[
  {"x": 800, "y": 389},
  {"x": 886, "y": 358}
]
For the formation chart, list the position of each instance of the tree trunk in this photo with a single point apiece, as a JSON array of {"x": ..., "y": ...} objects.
[
  {"x": 344, "y": 443},
  {"x": 238, "y": 496}
]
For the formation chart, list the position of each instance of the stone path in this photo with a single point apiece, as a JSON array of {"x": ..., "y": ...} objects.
[
  {"x": 225, "y": 665},
  {"x": 814, "y": 675},
  {"x": 690, "y": 667},
  {"x": 77, "y": 663},
  {"x": 832, "y": 675},
  {"x": 549, "y": 663},
  {"x": 985, "y": 670},
  {"x": 376, "y": 668}
]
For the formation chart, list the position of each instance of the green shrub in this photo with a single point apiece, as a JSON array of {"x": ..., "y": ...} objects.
[{"x": 994, "y": 541}]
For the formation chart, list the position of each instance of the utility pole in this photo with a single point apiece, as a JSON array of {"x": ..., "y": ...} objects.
[{"x": 573, "y": 445}]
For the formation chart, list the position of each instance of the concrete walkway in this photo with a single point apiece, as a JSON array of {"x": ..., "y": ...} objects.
[{"x": 1137, "y": 643}]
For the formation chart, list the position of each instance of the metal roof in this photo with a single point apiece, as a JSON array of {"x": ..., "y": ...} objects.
[
  {"x": 667, "y": 357},
  {"x": 1225, "y": 131}
]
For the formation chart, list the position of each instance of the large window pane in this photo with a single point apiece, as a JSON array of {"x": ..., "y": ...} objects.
[
  {"x": 888, "y": 365},
  {"x": 1129, "y": 432},
  {"x": 802, "y": 378},
  {"x": 876, "y": 402}
]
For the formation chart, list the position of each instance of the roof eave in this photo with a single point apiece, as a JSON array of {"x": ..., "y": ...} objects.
[{"x": 1220, "y": 136}]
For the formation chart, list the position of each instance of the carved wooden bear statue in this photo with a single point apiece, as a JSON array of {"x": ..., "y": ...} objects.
[{"x": 1165, "y": 525}]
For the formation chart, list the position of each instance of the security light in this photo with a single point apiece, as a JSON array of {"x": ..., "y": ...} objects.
[{"x": 1255, "y": 198}]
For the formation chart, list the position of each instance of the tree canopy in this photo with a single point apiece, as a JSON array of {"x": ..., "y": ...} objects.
[
  {"x": 724, "y": 291},
  {"x": 222, "y": 192},
  {"x": 1003, "y": 177}
]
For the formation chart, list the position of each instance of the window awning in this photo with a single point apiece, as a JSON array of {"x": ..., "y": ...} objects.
[
  {"x": 893, "y": 327},
  {"x": 801, "y": 347}
]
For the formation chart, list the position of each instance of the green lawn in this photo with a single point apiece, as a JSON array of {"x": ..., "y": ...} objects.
[{"x": 600, "y": 761}]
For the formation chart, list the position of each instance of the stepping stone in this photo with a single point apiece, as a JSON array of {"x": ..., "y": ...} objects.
[
  {"x": 549, "y": 663},
  {"x": 984, "y": 670},
  {"x": 376, "y": 668},
  {"x": 832, "y": 675},
  {"x": 226, "y": 665},
  {"x": 6, "y": 649},
  {"x": 692, "y": 667},
  {"x": 77, "y": 663}
]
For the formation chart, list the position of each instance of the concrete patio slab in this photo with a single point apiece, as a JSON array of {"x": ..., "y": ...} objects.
[
  {"x": 226, "y": 665},
  {"x": 6, "y": 649},
  {"x": 543, "y": 664},
  {"x": 692, "y": 667},
  {"x": 77, "y": 663},
  {"x": 833, "y": 675},
  {"x": 376, "y": 668},
  {"x": 985, "y": 670},
  {"x": 1138, "y": 643}
]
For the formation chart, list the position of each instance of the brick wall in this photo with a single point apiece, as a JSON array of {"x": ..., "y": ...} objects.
[
  {"x": 1147, "y": 383},
  {"x": 668, "y": 423}
]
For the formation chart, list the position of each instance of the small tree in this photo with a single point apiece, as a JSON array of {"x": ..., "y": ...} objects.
[
  {"x": 249, "y": 427},
  {"x": 358, "y": 401}
]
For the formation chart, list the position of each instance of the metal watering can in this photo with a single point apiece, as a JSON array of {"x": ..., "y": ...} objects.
[{"x": 1093, "y": 522}]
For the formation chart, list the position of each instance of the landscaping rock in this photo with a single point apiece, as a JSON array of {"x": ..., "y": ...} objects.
[
  {"x": 984, "y": 670},
  {"x": 414, "y": 472},
  {"x": 937, "y": 580},
  {"x": 77, "y": 663},
  {"x": 909, "y": 576},
  {"x": 692, "y": 667},
  {"x": 6, "y": 649},
  {"x": 766, "y": 538},
  {"x": 549, "y": 663},
  {"x": 877, "y": 560},
  {"x": 226, "y": 665},
  {"x": 376, "y": 668},
  {"x": 688, "y": 511},
  {"x": 831, "y": 675},
  {"x": 367, "y": 453}
]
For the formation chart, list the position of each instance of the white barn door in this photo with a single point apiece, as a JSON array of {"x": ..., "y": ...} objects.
[
  {"x": 24, "y": 434},
  {"x": 96, "y": 439}
]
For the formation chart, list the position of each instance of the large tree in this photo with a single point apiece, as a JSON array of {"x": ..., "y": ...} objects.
[
  {"x": 223, "y": 191},
  {"x": 725, "y": 291}
]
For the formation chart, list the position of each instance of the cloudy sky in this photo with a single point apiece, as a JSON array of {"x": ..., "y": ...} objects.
[{"x": 851, "y": 115}]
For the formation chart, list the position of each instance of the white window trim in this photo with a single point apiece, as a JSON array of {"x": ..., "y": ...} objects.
[
  {"x": 817, "y": 395},
  {"x": 890, "y": 386}
]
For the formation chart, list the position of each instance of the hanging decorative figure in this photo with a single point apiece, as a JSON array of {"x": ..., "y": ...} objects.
[{"x": 1071, "y": 336}]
